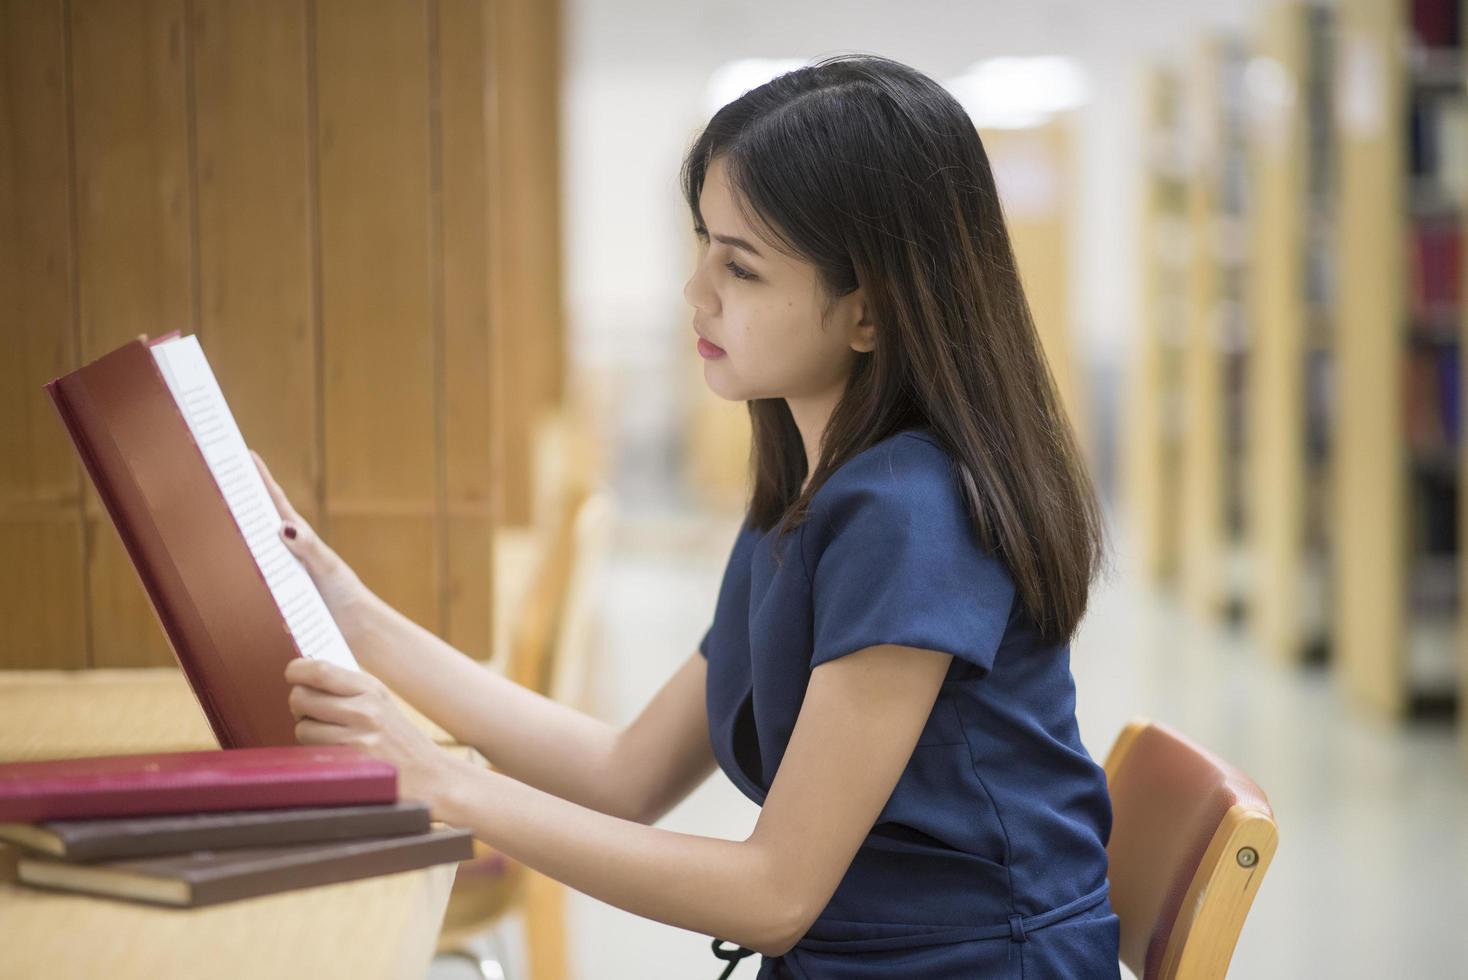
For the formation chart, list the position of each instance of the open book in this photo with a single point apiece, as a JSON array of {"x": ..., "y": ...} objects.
[{"x": 169, "y": 463}]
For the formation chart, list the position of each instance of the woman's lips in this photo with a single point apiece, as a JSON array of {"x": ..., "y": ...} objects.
[{"x": 708, "y": 350}]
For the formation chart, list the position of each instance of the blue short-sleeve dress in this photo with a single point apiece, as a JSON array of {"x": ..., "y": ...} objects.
[{"x": 989, "y": 859}]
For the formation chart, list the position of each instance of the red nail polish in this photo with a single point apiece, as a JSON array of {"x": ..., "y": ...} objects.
[{"x": 290, "y": 531}]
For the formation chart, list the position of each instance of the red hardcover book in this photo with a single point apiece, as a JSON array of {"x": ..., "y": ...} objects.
[
  {"x": 194, "y": 782},
  {"x": 169, "y": 463}
]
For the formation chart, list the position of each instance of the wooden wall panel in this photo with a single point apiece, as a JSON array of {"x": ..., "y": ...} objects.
[
  {"x": 462, "y": 206},
  {"x": 526, "y": 218},
  {"x": 42, "y": 587},
  {"x": 377, "y": 298},
  {"x": 134, "y": 246},
  {"x": 310, "y": 188},
  {"x": 256, "y": 229}
]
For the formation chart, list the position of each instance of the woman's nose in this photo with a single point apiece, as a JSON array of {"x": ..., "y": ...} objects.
[{"x": 699, "y": 296}]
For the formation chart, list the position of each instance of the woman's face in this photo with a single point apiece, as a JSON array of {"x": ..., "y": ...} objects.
[{"x": 763, "y": 310}]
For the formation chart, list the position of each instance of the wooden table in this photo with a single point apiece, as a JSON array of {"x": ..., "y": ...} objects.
[
  {"x": 378, "y": 927},
  {"x": 385, "y": 926}
]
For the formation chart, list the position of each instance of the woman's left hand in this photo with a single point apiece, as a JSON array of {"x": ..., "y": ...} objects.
[{"x": 337, "y": 706}]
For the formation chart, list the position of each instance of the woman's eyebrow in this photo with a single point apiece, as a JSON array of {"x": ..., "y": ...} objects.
[{"x": 737, "y": 243}]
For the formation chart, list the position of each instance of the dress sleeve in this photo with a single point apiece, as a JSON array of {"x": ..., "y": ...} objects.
[
  {"x": 732, "y": 608},
  {"x": 899, "y": 562}
]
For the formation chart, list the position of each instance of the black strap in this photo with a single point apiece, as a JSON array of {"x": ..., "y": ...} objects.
[{"x": 732, "y": 955}]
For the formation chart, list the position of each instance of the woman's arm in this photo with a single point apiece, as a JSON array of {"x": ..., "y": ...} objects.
[
  {"x": 857, "y": 728},
  {"x": 861, "y": 719},
  {"x": 637, "y": 773}
]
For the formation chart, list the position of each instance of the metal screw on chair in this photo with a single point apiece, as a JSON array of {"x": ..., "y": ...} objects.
[{"x": 1247, "y": 857}]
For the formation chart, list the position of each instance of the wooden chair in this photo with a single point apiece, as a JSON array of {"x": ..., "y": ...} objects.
[
  {"x": 1191, "y": 838},
  {"x": 547, "y": 654}
]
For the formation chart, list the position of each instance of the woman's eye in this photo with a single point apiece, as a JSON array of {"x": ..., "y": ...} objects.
[{"x": 738, "y": 270}]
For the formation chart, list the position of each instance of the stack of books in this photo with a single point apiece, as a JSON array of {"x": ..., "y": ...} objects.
[{"x": 188, "y": 829}]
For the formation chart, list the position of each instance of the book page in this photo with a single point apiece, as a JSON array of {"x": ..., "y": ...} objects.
[{"x": 202, "y": 403}]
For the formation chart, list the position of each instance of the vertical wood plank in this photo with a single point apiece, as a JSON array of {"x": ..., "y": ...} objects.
[
  {"x": 1202, "y": 451},
  {"x": 255, "y": 235},
  {"x": 468, "y": 473},
  {"x": 1276, "y": 376},
  {"x": 35, "y": 252},
  {"x": 42, "y": 580},
  {"x": 1370, "y": 534},
  {"x": 546, "y": 93},
  {"x": 545, "y": 927},
  {"x": 525, "y": 242},
  {"x": 134, "y": 242},
  {"x": 372, "y": 75}
]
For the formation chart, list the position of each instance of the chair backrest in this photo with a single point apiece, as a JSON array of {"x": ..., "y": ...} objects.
[
  {"x": 567, "y": 464},
  {"x": 578, "y": 635},
  {"x": 1191, "y": 838},
  {"x": 536, "y": 629}
]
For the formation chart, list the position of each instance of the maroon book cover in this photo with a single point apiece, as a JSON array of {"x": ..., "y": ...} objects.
[
  {"x": 111, "y": 838},
  {"x": 211, "y": 877},
  {"x": 193, "y": 782},
  {"x": 224, "y": 626}
]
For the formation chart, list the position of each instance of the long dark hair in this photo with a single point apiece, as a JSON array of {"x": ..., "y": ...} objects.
[{"x": 872, "y": 172}]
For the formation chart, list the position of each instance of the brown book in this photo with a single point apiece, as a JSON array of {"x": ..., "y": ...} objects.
[
  {"x": 169, "y": 463},
  {"x": 130, "y": 837},
  {"x": 211, "y": 877}
]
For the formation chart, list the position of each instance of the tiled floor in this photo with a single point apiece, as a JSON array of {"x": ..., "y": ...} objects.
[{"x": 1371, "y": 878}]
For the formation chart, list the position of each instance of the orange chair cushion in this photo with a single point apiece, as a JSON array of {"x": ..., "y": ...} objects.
[{"x": 1168, "y": 798}]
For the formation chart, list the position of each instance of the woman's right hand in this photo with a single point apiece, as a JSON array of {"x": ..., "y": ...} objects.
[{"x": 345, "y": 595}]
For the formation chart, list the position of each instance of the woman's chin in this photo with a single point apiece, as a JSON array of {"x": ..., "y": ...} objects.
[{"x": 719, "y": 385}]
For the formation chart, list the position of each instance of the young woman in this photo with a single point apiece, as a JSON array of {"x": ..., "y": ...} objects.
[{"x": 887, "y": 669}]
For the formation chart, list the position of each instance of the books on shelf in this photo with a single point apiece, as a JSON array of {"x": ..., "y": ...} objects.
[
  {"x": 161, "y": 446},
  {"x": 1437, "y": 23},
  {"x": 1435, "y": 261}
]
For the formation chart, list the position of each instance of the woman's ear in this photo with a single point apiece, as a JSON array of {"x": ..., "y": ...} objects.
[{"x": 864, "y": 331}]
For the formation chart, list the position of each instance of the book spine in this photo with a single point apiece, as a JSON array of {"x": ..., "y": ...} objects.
[{"x": 284, "y": 827}]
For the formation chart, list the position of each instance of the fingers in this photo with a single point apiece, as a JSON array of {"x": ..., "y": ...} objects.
[
  {"x": 309, "y": 731},
  {"x": 301, "y": 540},
  {"x": 282, "y": 505},
  {"x": 356, "y": 712},
  {"x": 328, "y": 677}
]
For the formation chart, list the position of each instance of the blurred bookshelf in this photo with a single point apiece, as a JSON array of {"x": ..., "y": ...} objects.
[
  {"x": 1234, "y": 338},
  {"x": 1155, "y": 407},
  {"x": 1318, "y": 368},
  {"x": 1214, "y": 572},
  {"x": 1291, "y": 301},
  {"x": 1297, "y": 446},
  {"x": 1403, "y": 162}
]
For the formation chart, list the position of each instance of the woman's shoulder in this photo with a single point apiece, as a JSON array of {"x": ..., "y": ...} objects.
[
  {"x": 906, "y": 469},
  {"x": 904, "y": 483}
]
